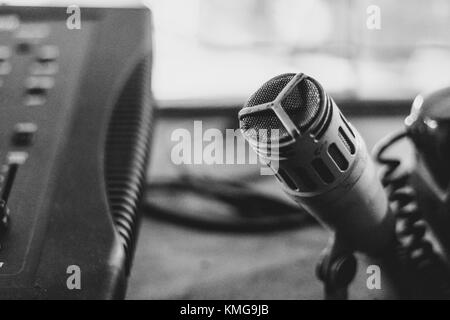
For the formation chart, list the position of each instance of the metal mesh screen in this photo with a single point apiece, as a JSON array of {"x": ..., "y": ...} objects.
[{"x": 302, "y": 105}]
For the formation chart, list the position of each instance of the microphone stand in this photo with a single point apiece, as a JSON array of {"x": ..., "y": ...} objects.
[{"x": 336, "y": 269}]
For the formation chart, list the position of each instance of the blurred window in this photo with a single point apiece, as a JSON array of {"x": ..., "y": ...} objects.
[{"x": 225, "y": 49}]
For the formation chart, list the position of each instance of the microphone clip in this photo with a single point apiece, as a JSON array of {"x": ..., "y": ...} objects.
[{"x": 336, "y": 269}]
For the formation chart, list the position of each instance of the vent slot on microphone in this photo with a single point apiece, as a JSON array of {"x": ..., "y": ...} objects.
[
  {"x": 307, "y": 184},
  {"x": 322, "y": 170},
  {"x": 349, "y": 145},
  {"x": 338, "y": 157},
  {"x": 325, "y": 121},
  {"x": 284, "y": 177},
  {"x": 347, "y": 125}
]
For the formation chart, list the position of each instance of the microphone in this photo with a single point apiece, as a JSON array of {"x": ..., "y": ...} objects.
[{"x": 320, "y": 159}]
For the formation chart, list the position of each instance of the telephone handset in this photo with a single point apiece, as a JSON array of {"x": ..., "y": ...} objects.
[{"x": 420, "y": 197}]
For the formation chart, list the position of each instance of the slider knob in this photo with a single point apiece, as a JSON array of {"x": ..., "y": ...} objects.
[{"x": 4, "y": 218}]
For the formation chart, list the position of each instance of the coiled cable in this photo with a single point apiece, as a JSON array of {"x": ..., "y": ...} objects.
[{"x": 414, "y": 251}]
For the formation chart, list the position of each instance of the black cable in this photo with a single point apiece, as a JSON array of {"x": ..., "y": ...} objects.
[
  {"x": 247, "y": 210},
  {"x": 414, "y": 251}
]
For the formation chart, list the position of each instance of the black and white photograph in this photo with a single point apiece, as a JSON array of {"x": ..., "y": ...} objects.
[{"x": 235, "y": 157}]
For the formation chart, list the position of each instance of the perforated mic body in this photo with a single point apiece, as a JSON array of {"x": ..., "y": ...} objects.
[{"x": 320, "y": 160}]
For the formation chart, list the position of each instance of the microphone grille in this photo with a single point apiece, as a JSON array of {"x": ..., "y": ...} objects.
[{"x": 302, "y": 105}]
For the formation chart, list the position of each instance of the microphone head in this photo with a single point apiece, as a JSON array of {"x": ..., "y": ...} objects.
[
  {"x": 313, "y": 146},
  {"x": 302, "y": 105},
  {"x": 319, "y": 158}
]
